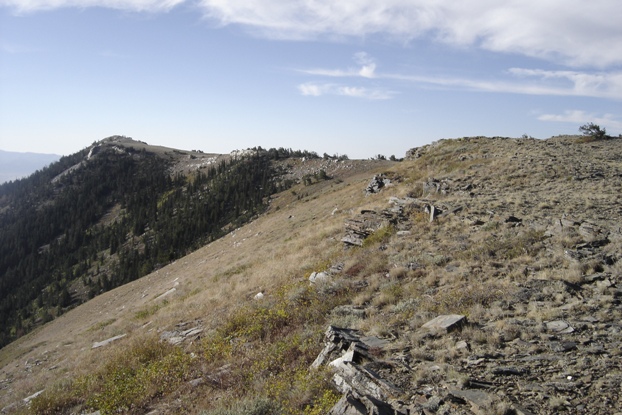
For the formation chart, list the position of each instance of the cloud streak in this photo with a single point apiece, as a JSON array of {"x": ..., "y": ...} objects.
[
  {"x": 553, "y": 83},
  {"x": 367, "y": 68},
  {"x": 523, "y": 81}
]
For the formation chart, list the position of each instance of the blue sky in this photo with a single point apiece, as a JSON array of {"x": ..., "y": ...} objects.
[{"x": 355, "y": 77}]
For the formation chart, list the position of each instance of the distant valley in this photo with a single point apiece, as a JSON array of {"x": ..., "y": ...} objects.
[{"x": 14, "y": 165}]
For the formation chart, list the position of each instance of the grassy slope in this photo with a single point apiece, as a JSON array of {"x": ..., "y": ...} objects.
[{"x": 277, "y": 249}]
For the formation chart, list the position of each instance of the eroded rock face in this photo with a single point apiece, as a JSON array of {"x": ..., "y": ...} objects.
[
  {"x": 347, "y": 352},
  {"x": 361, "y": 226}
]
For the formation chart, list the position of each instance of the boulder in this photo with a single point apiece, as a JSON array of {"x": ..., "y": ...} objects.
[
  {"x": 376, "y": 183},
  {"x": 318, "y": 277}
]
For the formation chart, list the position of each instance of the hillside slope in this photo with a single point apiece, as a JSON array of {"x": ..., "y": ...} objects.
[
  {"x": 517, "y": 240},
  {"x": 114, "y": 212}
]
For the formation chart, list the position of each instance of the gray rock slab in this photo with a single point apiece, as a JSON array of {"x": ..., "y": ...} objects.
[
  {"x": 351, "y": 377},
  {"x": 33, "y": 396},
  {"x": 481, "y": 402},
  {"x": 192, "y": 332},
  {"x": 374, "y": 342},
  {"x": 446, "y": 323},
  {"x": 348, "y": 405},
  {"x": 562, "y": 346},
  {"x": 107, "y": 341},
  {"x": 559, "y": 326}
]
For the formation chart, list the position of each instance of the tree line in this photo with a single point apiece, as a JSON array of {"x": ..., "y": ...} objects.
[{"x": 56, "y": 251}]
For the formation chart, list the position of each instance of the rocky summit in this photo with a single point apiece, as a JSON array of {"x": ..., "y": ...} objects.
[{"x": 477, "y": 276}]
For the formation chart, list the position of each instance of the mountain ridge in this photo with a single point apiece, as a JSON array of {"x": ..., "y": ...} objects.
[{"x": 113, "y": 212}]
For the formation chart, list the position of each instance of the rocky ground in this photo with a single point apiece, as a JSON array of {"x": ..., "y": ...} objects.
[{"x": 551, "y": 343}]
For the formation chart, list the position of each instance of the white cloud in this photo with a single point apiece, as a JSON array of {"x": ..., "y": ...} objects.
[
  {"x": 580, "y": 117},
  {"x": 367, "y": 93},
  {"x": 368, "y": 65},
  {"x": 576, "y": 32},
  {"x": 314, "y": 90},
  {"x": 318, "y": 89},
  {"x": 26, "y": 6}
]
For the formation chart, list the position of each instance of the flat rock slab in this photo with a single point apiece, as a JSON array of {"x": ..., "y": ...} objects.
[
  {"x": 348, "y": 405},
  {"x": 107, "y": 341},
  {"x": 481, "y": 402},
  {"x": 559, "y": 326},
  {"x": 171, "y": 291},
  {"x": 374, "y": 342},
  {"x": 562, "y": 346},
  {"x": 446, "y": 323},
  {"x": 33, "y": 396}
]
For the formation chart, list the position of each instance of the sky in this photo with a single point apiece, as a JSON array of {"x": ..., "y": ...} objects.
[{"x": 354, "y": 77}]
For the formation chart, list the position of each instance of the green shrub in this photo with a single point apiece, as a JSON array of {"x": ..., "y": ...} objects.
[
  {"x": 380, "y": 236},
  {"x": 593, "y": 131},
  {"x": 249, "y": 406},
  {"x": 147, "y": 369},
  {"x": 57, "y": 399}
]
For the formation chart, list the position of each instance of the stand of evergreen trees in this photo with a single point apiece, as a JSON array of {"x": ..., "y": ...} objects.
[{"x": 52, "y": 238}]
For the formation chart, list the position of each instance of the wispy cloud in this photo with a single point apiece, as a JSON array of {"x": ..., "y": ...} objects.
[
  {"x": 600, "y": 84},
  {"x": 366, "y": 68},
  {"x": 13, "y": 48},
  {"x": 561, "y": 83},
  {"x": 580, "y": 117},
  {"x": 28, "y": 6},
  {"x": 319, "y": 89},
  {"x": 575, "y": 32},
  {"x": 515, "y": 80}
]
